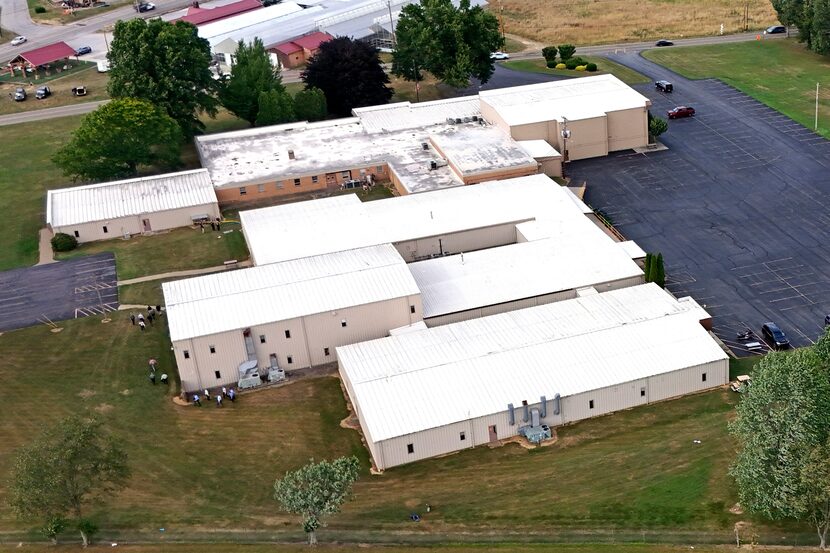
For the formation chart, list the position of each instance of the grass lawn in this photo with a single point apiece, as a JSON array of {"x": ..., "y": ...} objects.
[
  {"x": 96, "y": 86},
  {"x": 74, "y": 67},
  {"x": 405, "y": 90},
  {"x": 178, "y": 249},
  {"x": 6, "y": 35},
  {"x": 780, "y": 73},
  {"x": 206, "y": 473},
  {"x": 511, "y": 45},
  {"x": 364, "y": 548},
  {"x": 55, "y": 14},
  {"x": 613, "y": 21},
  {"x": 537, "y": 65}
]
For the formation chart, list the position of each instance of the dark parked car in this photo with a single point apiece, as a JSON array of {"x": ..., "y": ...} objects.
[
  {"x": 776, "y": 29},
  {"x": 83, "y": 50},
  {"x": 664, "y": 43},
  {"x": 665, "y": 86},
  {"x": 146, "y": 7},
  {"x": 19, "y": 94},
  {"x": 680, "y": 111},
  {"x": 79, "y": 90},
  {"x": 775, "y": 336},
  {"x": 42, "y": 92},
  {"x": 827, "y": 320}
]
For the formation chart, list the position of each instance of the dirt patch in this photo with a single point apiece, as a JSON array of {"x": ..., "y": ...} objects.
[
  {"x": 736, "y": 509},
  {"x": 522, "y": 442},
  {"x": 125, "y": 392},
  {"x": 86, "y": 394},
  {"x": 104, "y": 408}
]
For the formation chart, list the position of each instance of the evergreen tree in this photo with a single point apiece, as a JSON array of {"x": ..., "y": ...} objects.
[{"x": 251, "y": 75}]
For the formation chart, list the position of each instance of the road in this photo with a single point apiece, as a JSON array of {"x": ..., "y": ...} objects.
[{"x": 50, "y": 113}]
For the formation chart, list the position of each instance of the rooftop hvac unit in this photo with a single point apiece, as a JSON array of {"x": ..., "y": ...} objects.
[
  {"x": 433, "y": 165},
  {"x": 467, "y": 119},
  {"x": 457, "y": 120},
  {"x": 425, "y": 146},
  {"x": 475, "y": 117},
  {"x": 450, "y": 121}
]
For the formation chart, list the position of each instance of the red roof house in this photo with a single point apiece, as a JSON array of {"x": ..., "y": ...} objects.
[
  {"x": 43, "y": 55},
  {"x": 201, "y": 16},
  {"x": 298, "y": 51}
]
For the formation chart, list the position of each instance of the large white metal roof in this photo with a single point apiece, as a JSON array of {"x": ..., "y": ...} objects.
[
  {"x": 321, "y": 226},
  {"x": 582, "y": 98},
  {"x": 111, "y": 200},
  {"x": 406, "y": 115},
  {"x": 281, "y": 291},
  {"x": 431, "y": 378}
]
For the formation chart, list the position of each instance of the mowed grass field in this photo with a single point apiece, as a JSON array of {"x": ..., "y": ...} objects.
[
  {"x": 780, "y": 73},
  {"x": 604, "y": 66},
  {"x": 206, "y": 473},
  {"x": 95, "y": 83},
  {"x": 610, "y": 21},
  {"x": 366, "y": 548}
]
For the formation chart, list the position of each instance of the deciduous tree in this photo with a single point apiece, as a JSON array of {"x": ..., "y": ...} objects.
[
  {"x": 118, "y": 138},
  {"x": 657, "y": 126},
  {"x": 310, "y": 105},
  {"x": 317, "y": 490},
  {"x": 167, "y": 64},
  {"x": 64, "y": 469},
  {"x": 275, "y": 107},
  {"x": 782, "y": 428},
  {"x": 454, "y": 44},
  {"x": 812, "y": 17},
  {"x": 350, "y": 75},
  {"x": 251, "y": 75}
]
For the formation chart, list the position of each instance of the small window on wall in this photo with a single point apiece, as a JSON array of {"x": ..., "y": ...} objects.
[
  {"x": 642, "y": 392},
  {"x": 242, "y": 191},
  {"x": 296, "y": 182},
  {"x": 346, "y": 174},
  {"x": 218, "y": 375},
  {"x": 343, "y": 323},
  {"x": 591, "y": 404},
  {"x": 279, "y": 185},
  {"x": 262, "y": 338},
  {"x": 213, "y": 349},
  {"x": 362, "y": 172},
  {"x": 326, "y": 351},
  {"x": 186, "y": 354},
  {"x": 462, "y": 436},
  {"x": 77, "y": 234},
  {"x": 288, "y": 334},
  {"x": 379, "y": 168},
  {"x": 410, "y": 448},
  {"x": 412, "y": 309},
  {"x": 314, "y": 179},
  {"x": 260, "y": 188},
  {"x": 105, "y": 229},
  {"x": 289, "y": 359},
  {"x": 703, "y": 377}
]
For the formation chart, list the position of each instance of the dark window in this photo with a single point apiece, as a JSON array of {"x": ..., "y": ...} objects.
[
  {"x": 642, "y": 392},
  {"x": 462, "y": 436},
  {"x": 218, "y": 374},
  {"x": 703, "y": 377},
  {"x": 346, "y": 174},
  {"x": 288, "y": 334},
  {"x": 591, "y": 404},
  {"x": 343, "y": 323},
  {"x": 296, "y": 182},
  {"x": 213, "y": 349},
  {"x": 326, "y": 351},
  {"x": 260, "y": 188},
  {"x": 77, "y": 234},
  {"x": 186, "y": 354},
  {"x": 262, "y": 338},
  {"x": 105, "y": 229},
  {"x": 314, "y": 179},
  {"x": 410, "y": 448},
  {"x": 412, "y": 309},
  {"x": 380, "y": 168},
  {"x": 290, "y": 359},
  {"x": 242, "y": 191}
]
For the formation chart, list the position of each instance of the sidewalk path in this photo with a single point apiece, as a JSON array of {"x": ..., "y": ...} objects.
[
  {"x": 191, "y": 272},
  {"x": 45, "y": 247},
  {"x": 50, "y": 113}
]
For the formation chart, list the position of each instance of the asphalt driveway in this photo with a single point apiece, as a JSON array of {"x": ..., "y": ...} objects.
[
  {"x": 739, "y": 206},
  {"x": 58, "y": 291}
]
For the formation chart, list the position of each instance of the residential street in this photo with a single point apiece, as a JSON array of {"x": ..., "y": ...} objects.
[{"x": 50, "y": 113}]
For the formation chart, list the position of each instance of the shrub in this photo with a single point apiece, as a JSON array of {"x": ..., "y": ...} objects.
[
  {"x": 551, "y": 64},
  {"x": 571, "y": 64},
  {"x": 561, "y": 66},
  {"x": 63, "y": 242},
  {"x": 549, "y": 53},
  {"x": 566, "y": 51},
  {"x": 580, "y": 68},
  {"x": 591, "y": 67},
  {"x": 40, "y": 9}
]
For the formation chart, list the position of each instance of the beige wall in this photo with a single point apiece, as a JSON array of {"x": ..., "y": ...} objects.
[
  {"x": 446, "y": 439},
  {"x": 551, "y": 166},
  {"x": 467, "y": 241},
  {"x": 116, "y": 228},
  {"x": 308, "y": 338},
  {"x": 627, "y": 129},
  {"x": 589, "y": 138}
]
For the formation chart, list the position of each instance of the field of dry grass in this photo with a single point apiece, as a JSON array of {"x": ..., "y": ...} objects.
[{"x": 608, "y": 21}]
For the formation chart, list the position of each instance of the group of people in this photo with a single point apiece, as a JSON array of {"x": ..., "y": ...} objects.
[
  {"x": 215, "y": 225},
  {"x": 225, "y": 393},
  {"x": 163, "y": 378},
  {"x": 141, "y": 321}
]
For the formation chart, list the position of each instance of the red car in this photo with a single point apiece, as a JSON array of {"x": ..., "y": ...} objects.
[{"x": 680, "y": 111}]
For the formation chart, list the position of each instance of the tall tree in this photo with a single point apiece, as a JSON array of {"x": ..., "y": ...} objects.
[
  {"x": 782, "y": 428},
  {"x": 350, "y": 75},
  {"x": 67, "y": 467},
  {"x": 815, "y": 481},
  {"x": 118, "y": 138},
  {"x": 454, "y": 44},
  {"x": 275, "y": 107},
  {"x": 252, "y": 74},
  {"x": 310, "y": 105},
  {"x": 317, "y": 490},
  {"x": 166, "y": 64},
  {"x": 812, "y": 17}
]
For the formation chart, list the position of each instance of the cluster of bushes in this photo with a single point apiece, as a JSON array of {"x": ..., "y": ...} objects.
[
  {"x": 567, "y": 60},
  {"x": 40, "y": 9},
  {"x": 64, "y": 242}
]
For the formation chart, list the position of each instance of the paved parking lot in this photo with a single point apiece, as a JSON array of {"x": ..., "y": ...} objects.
[
  {"x": 739, "y": 206},
  {"x": 58, "y": 291}
]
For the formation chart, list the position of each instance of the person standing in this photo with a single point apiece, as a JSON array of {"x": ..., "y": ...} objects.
[
  {"x": 218, "y": 400},
  {"x": 232, "y": 395},
  {"x": 141, "y": 325},
  {"x": 224, "y": 392},
  {"x": 153, "y": 377},
  {"x": 196, "y": 401},
  {"x": 207, "y": 394},
  {"x": 132, "y": 318},
  {"x": 164, "y": 378}
]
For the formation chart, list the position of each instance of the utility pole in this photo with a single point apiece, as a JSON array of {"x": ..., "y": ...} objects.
[
  {"x": 501, "y": 22},
  {"x": 1, "y": 18}
]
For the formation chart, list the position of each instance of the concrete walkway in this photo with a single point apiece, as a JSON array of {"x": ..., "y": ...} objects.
[
  {"x": 45, "y": 247},
  {"x": 191, "y": 272},
  {"x": 50, "y": 113}
]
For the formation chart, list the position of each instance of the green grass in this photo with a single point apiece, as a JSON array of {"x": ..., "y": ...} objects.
[
  {"x": 206, "y": 473},
  {"x": 365, "y": 548},
  {"x": 176, "y": 250},
  {"x": 61, "y": 87},
  {"x": 511, "y": 45},
  {"x": 742, "y": 365},
  {"x": 780, "y": 73},
  {"x": 537, "y": 65},
  {"x": 55, "y": 14},
  {"x": 75, "y": 67}
]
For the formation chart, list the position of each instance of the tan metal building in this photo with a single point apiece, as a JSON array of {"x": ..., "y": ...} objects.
[
  {"x": 431, "y": 392},
  {"x": 290, "y": 315},
  {"x": 134, "y": 206}
]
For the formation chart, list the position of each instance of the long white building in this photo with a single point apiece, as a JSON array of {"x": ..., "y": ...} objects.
[{"x": 431, "y": 392}]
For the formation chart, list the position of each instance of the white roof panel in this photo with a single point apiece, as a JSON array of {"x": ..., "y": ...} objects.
[
  {"x": 281, "y": 291},
  {"x": 242, "y": 25},
  {"x": 111, "y": 200},
  {"x": 539, "y": 148},
  {"x": 405, "y": 115},
  {"x": 427, "y": 379}
]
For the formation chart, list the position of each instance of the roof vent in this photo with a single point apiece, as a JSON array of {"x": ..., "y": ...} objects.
[
  {"x": 467, "y": 119},
  {"x": 457, "y": 120},
  {"x": 450, "y": 120},
  {"x": 475, "y": 117},
  {"x": 291, "y": 154},
  {"x": 433, "y": 165}
]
